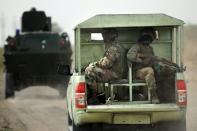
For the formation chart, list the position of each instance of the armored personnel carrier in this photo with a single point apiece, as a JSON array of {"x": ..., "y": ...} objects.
[{"x": 32, "y": 56}]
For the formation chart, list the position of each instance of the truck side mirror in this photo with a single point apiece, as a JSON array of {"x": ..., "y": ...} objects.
[{"x": 64, "y": 70}]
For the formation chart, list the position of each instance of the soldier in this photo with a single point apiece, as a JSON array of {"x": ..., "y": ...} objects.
[
  {"x": 140, "y": 54},
  {"x": 110, "y": 67}
]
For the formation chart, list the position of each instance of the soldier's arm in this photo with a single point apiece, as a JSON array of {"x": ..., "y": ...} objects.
[
  {"x": 133, "y": 54},
  {"x": 112, "y": 54}
]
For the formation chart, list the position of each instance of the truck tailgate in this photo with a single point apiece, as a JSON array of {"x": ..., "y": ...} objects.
[{"x": 132, "y": 108}]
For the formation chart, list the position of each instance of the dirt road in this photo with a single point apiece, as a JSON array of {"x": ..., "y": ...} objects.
[{"x": 34, "y": 109}]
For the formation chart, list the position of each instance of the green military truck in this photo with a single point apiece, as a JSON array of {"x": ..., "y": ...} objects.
[
  {"x": 32, "y": 56},
  {"x": 130, "y": 113}
]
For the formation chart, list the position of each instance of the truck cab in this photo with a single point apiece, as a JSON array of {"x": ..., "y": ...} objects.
[{"x": 130, "y": 112}]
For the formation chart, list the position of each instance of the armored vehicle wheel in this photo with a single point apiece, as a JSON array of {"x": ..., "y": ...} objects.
[
  {"x": 9, "y": 85},
  {"x": 73, "y": 127}
]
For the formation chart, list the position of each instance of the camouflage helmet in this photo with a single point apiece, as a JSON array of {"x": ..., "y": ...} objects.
[
  {"x": 109, "y": 34},
  {"x": 147, "y": 35}
]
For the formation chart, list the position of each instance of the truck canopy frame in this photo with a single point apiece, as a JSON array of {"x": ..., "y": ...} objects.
[{"x": 130, "y": 21}]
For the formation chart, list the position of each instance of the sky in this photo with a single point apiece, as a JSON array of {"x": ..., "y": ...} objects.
[{"x": 68, "y": 13}]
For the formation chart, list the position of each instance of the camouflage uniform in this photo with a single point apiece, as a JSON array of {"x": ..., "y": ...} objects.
[
  {"x": 143, "y": 66},
  {"x": 110, "y": 67}
]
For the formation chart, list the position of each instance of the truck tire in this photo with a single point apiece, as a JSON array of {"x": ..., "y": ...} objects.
[
  {"x": 9, "y": 85},
  {"x": 73, "y": 127}
]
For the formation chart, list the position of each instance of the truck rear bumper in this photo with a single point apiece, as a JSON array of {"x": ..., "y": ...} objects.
[
  {"x": 130, "y": 114},
  {"x": 133, "y": 108}
]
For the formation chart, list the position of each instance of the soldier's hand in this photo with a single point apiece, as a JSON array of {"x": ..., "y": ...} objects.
[{"x": 105, "y": 62}]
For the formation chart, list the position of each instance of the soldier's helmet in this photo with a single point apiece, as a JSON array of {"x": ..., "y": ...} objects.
[
  {"x": 147, "y": 35},
  {"x": 109, "y": 34}
]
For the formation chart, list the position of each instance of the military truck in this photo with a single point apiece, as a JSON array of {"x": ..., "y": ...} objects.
[
  {"x": 32, "y": 56},
  {"x": 128, "y": 113}
]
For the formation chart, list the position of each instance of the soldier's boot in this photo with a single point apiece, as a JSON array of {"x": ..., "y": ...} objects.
[{"x": 154, "y": 97}]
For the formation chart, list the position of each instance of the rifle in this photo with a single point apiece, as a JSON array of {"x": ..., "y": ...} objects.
[
  {"x": 159, "y": 62},
  {"x": 166, "y": 63}
]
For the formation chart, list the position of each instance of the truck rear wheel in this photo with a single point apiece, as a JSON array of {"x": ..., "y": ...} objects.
[{"x": 9, "y": 85}]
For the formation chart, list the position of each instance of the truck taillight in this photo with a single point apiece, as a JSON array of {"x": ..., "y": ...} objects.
[
  {"x": 80, "y": 100},
  {"x": 181, "y": 93}
]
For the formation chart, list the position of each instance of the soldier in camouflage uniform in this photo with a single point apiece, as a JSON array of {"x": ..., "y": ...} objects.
[
  {"x": 111, "y": 66},
  {"x": 140, "y": 54}
]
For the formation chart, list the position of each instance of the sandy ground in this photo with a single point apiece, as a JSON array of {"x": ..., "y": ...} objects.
[{"x": 34, "y": 109}]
